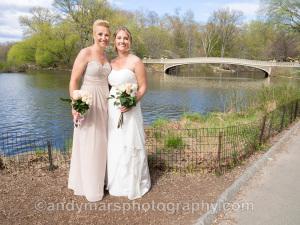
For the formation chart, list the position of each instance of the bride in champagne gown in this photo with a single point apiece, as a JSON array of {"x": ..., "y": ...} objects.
[
  {"x": 127, "y": 166},
  {"x": 89, "y": 149}
]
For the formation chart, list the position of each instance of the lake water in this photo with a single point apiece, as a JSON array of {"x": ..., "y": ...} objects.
[{"x": 30, "y": 104}]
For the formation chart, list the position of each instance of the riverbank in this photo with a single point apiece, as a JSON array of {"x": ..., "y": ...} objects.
[{"x": 8, "y": 68}]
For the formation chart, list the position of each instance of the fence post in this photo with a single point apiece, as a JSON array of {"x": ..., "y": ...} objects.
[
  {"x": 51, "y": 166},
  {"x": 219, "y": 150},
  {"x": 282, "y": 117},
  {"x": 262, "y": 129},
  {"x": 291, "y": 114},
  {"x": 2, "y": 165},
  {"x": 271, "y": 125},
  {"x": 296, "y": 110}
]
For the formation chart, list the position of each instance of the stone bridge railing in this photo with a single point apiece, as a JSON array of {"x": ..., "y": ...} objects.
[{"x": 266, "y": 66}]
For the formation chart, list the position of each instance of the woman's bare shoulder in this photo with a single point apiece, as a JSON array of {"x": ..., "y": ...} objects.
[
  {"x": 134, "y": 58},
  {"x": 84, "y": 55},
  {"x": 113, "y": 61},
  {"x": 86, "y": 51}
]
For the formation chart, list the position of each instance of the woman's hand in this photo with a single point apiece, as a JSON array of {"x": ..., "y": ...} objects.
[
  {"x": 124, "y": 109},
  {"x": 76, "y": 115}
]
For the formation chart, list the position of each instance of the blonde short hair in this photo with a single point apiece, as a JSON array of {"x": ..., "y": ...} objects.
[{"x": 103, "y": 23}]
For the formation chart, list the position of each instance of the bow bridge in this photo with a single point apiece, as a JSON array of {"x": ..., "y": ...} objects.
[{"x": 265, "y": 66}]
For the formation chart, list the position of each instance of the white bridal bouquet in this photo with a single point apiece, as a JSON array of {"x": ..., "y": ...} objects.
[
  {"x": 125, "y": 96},
  {"x": 80, "y": 102}
]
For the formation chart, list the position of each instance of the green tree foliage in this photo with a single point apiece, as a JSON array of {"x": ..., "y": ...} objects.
[
  {"x": 39, "y": 17},
  {"x": 156, "y": 41},
  {"x": 4, "y": 48},
  {"x": 55, "y": 38},
  {"x": 225, "y": 22},
  {"x": 285, "y": 12},
  {"x": 22, "y": 53},
  {"x": 137, "y": 46},
  {"x": 256, "y": 36},
  {"x": 179, "y": 40},
  {"x": 55, "y": 42},
  {"x": 43, "y": 58},
  {"x": 57, "y": 45},
  {"x": 83, "y": 13}
]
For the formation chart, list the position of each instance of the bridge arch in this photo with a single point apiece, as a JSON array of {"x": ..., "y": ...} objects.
[{"x": 168, "y": 67}]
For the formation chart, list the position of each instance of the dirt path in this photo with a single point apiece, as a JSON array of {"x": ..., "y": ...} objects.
[{"x": 42, "y": 197}]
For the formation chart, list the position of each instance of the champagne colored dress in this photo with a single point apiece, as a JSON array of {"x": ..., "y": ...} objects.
[
  {"x": 89, "y": 150},
  {"x": 127, "y": 166}
]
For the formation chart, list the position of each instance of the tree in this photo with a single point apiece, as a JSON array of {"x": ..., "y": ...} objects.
[
  {"x": 39, "y": 17},
  {"x": 55, "y": 39},
  {"x": 209, "y": 38},
  {"x": 191, "y": 28},
  {"x": 256, "y": 37},
  {"x": 225, "y": 22},
  {"x": 66, "y": 42},
  {"x": 138, "y": 45},
  {"x": 286, "y": 12},
  {"x": 179, "y": 40},
  {"x": 56, "y": 45},
  {"x": 83, "y": 13},
  {"x": 156, "y": 41},
  {"x": 4, "y": 48},
  {"x": 22, "y": 52},
  {"x": 284, "y": 46}
]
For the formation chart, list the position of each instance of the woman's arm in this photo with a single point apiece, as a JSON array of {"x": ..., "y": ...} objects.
[
  {"x": 140, "y": 73},
  {"x": 77, "y": 71},
  {"x": 141, "y": 77}
]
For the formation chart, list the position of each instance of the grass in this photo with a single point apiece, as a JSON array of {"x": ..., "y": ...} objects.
[
  {"x": 160, "y": 122},
  {"x": 234, "y": 156},
  {"x": 40, "y": 152},
  {"x": 194, "y": 117},
  {"x": 173, "y": 142},
  {"x": 218, "y": 119}
]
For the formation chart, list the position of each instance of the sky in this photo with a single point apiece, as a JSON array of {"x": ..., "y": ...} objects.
[{"x": 11, "y": 10}]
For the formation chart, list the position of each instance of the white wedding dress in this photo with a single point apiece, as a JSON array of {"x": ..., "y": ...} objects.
[{"x": 127, "y": 166}]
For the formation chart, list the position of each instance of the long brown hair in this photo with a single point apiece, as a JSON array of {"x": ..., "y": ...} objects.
[{"x": 125, "y": 29}]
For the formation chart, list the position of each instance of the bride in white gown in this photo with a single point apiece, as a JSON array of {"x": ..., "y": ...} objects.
[{"x": 127, "y": 166}]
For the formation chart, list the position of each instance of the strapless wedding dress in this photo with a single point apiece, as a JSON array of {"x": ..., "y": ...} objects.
[{"x": 127, "y": 166}]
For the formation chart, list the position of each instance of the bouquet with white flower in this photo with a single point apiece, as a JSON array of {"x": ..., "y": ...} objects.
[
  {"x": 80, "y": 102},
  {"x": 125, "y": 96}
]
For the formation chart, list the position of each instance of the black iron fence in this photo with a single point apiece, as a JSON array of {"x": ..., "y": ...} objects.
[{"x": 210, "y": 149}]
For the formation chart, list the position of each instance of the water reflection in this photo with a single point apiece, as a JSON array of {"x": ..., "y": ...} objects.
[{"x": 30, "y": 101}]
